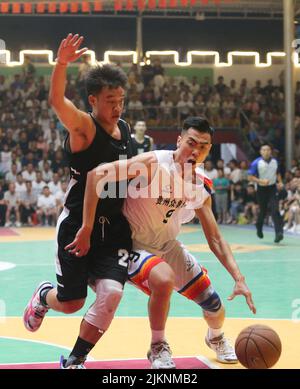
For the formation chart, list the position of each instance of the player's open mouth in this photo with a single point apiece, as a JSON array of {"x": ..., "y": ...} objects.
[{"x": 191, "y": 161}]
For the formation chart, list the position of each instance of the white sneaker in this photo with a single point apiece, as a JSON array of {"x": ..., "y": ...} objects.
[
  {"x": 8, "y": 224},
  {"x": 160, "y": 356},
  {"x": 222, "y": 347},
  {"x": 18, "y": 224}
]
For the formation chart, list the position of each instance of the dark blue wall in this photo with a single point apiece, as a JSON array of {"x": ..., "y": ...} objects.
[{"x": 119, "y": 33}]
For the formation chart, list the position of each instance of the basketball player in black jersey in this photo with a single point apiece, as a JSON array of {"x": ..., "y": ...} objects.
[
  {"x": 141, "y": 143},
  {"x": 94, "y": 138}
]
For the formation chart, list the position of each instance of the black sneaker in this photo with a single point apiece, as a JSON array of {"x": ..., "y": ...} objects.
[
  {"x": 260, "y": 234},
  {"x": 278, "y": 237}
]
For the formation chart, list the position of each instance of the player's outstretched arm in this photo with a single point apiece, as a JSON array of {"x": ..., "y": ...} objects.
[
  {"x": 222, "y": 251},
  {"x": 70, "y": 116}
]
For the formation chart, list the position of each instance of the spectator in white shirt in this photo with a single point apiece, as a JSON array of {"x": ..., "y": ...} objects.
[
  {"x": 209, "y": 170},
  {"x": 15, "y": 160},
  {"x": 44, "y": 121},
  {"x": 11, "y": 176},
  {"x": 235, "y": 175},
  {"x": 44, "y": 159},
  {"x": 54, "y": 185},
  {"x": 5, "y": 159},
  {"x": 194, "y": 85},
  {"x": 12, "y": 202},
  {"x": 47, "y": 172},
  {"x": 46, "y": 207},
  {"x": 166, "y": 109},
  {"x": 29, "y": 173},
  {"x": 60, "y": 197},
  {"x": 20, "y": 184},
  {"x": 184, "y": 107},
  {"x": 221, "y": 165},
  {"x": 38, "y": 184},
  {"x": 135, "y": 108},
  {"x": 28, "y": 202},
  {"x": 55, "y": 139}
]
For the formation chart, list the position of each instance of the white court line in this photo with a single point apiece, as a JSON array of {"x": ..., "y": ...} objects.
[
  {"x": 146, "y": 317},
  {"x": 39, "y": 342},
  {"x": 250, "y": 261},
  {"x": 36, "y": 341},
  {"x": 199, "y": 357},
  {"x": 246, "y": 260},
  {"x": 207, "y": 362}
]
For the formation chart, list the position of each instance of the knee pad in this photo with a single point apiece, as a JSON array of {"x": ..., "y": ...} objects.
[
  {"x": 108, "y": 296},
  {"x": 210, "y": 302}
]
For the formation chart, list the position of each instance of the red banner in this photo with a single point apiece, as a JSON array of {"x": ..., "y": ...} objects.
[
  {"x": 85, "y": 6},
  {"x": 40, "y": 8},
  {"x": 27, "y": 8},
  {"x": 162, "y": 3},
  {"x": 129, "y": 5},
  {"x": 151, "y": 4},
  {"x": 16, "y": 8},
  {"x": 98, "y": 6},
  {"x": 52, "y": 8},
  {"x": 141, "y": 5},
  {"x": 184, "y": 3},
  {"x": 4, "y": 7},
  {"x": 74, "y": 7},
  {"x": 63, "y": 7},
  {"x": 118, "y": 5},
  {"x": 173, "y": 3}
]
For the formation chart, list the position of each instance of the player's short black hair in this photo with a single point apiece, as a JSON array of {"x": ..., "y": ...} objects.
[
  {"x": 266, "y": 144},
  {"x": 198, "y": 123},
  {"x": 101, "y": 76}
]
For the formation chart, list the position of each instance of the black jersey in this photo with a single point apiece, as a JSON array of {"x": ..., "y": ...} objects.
[
  {"x": 103, "y": 148},
  {"x": 138, "y": 147}
]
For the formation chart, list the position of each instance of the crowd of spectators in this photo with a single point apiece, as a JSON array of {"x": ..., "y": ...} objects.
[
  {"x": 34, "y": 174},
  {"x": 235, "y": 198}
]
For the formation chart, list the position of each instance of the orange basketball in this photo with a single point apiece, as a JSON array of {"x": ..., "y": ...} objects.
[{"x": 258, "y": 347}]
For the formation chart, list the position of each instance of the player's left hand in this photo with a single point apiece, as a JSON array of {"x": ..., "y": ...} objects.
[
  {"x": 241, "y": 288},
  {"x": 81, "y": 243}
]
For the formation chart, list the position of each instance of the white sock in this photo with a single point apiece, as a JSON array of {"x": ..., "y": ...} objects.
[
  {"x": 157, "y": 336},
  {"x": 214, "y": 333}
]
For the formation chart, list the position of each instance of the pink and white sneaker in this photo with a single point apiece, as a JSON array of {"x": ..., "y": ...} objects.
[{"x": 35, "y": 311}]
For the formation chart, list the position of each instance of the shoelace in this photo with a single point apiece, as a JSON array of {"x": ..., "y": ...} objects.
[
  {"x": 161, "y": 349},
  {"x": 39, "y": 310},
  {"x": 224, "y": 347}
]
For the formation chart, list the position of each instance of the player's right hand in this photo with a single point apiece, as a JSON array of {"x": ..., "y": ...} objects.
[
  {"x": 81, "y": 243},
  {"x": 68, "y": 49}
]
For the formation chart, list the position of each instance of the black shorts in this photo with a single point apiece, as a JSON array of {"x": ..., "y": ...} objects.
[{"x": 102, "y": 261}]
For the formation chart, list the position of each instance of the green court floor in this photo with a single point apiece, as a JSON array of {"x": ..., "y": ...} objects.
[{"x": 272, "y": 273}]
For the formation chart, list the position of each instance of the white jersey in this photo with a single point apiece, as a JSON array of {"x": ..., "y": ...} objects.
[{"x": 155, "y": 221}]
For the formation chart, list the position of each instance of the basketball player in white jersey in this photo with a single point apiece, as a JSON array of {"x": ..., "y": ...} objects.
[{"x": 177, "y": 190}]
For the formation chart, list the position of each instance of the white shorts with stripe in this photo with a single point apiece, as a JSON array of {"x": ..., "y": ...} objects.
[{"x": 191, "y": 279}]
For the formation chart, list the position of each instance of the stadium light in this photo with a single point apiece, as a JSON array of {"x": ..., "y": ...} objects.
[
  {"x": 48, "y": 53},
  {"x": 216, "y": 54},
  {"x": 171, "y": 53},
  {"x": 126, "y": 53}
]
